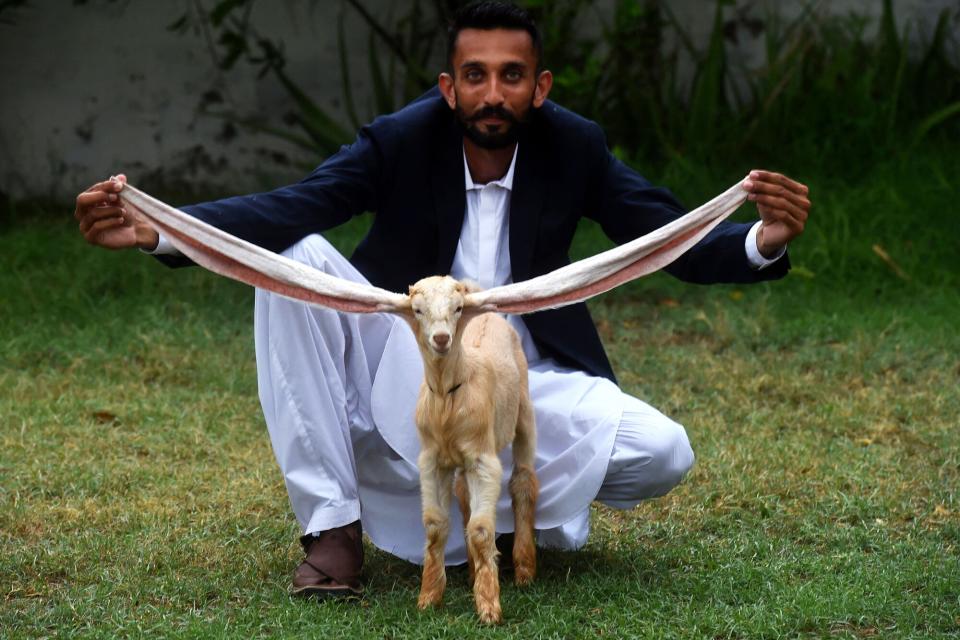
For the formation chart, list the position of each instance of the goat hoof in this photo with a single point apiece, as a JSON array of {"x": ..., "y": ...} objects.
[
  {"x": 427, "y": 600},
  {"x": 523, "y": 576},
  {"x": 490, "y": 614}
]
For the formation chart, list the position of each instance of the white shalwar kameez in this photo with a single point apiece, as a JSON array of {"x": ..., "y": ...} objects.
[{"x": 338, "y": 393}]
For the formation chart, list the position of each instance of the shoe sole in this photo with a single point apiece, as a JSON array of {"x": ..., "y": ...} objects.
[{"x": 328, "y": 593}]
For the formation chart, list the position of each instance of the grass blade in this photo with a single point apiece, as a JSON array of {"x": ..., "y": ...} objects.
[{"x": 935, "y": 119}]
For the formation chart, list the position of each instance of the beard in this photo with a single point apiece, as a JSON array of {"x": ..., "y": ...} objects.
[{"x": 498, "y": 137}]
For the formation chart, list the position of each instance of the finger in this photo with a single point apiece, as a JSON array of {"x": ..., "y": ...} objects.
[
  {"x": 775, "y": 210},
  {"x": 776, "y": 190},
  {"x": 774, "y": 203},
  {"x": 782, "y": 185},
  {"x": 778, "y": 178},
  {"x": 92, "y": 234},
  {"x": 115, "y": 183},
  {"x": 100, "y": 213},
  {"x": 89, "y": 199},
  {"x": 101, "y": 192},
  {"x": 134, "y": 209}
]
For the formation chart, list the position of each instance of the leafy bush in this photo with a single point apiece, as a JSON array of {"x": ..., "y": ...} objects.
[{"x": 830, "y": 94}]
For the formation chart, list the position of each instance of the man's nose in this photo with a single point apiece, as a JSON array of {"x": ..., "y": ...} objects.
[
  {"x": 494, "y": 96},
  {"x": 441, "y": 339}
]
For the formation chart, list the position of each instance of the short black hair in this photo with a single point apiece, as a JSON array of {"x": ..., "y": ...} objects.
[{"x": 493, "y": 14}]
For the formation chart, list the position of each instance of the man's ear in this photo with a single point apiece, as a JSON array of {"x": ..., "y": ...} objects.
[
  {"x": 445, "y": 82},
  {"x": 542, "y": 90}
]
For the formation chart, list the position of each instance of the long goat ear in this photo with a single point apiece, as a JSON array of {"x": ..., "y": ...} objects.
[
  {"x": 595, "y": 275},
  {"x": 234, "y": 258},
  {"x": 240, "y": 260}
]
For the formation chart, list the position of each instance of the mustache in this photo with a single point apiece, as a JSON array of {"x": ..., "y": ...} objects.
[{"x": 492, "y": 112}]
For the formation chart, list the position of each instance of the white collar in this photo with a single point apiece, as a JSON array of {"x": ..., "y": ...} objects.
[{"x": 505, "y": 182}]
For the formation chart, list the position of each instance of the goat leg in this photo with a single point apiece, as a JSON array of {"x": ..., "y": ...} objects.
[
  {"x": 463, "y": 499},
  {"x": 435, "y": 489},
  {"x": 483, "y": 482},
  {"x": 523, "y": 491}
]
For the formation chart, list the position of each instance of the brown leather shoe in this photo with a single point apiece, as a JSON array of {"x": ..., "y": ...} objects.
[{"x": 333, "y": 564}]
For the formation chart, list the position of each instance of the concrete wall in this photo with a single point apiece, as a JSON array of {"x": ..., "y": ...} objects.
[{"x": 104, "y": 88}]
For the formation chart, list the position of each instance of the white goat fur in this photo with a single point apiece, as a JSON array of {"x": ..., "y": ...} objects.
[{"x": 473, "y": 402}]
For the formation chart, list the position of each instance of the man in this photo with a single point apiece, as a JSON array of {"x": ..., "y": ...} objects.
[{"x": 485, "y": 179}]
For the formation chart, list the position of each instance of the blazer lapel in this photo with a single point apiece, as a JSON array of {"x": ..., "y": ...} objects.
[
  {"x": 526, "y": 204},
  {"x": 449, "y": 195},
  {"x": 450, "y": 200}
]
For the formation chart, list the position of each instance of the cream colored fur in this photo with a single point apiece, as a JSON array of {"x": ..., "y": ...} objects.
[
  {"x": 227, "y": 255},
  {"x": 474, "y": 401}
]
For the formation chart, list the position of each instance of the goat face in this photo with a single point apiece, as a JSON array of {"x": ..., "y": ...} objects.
[{"x": 437, "y": 304}]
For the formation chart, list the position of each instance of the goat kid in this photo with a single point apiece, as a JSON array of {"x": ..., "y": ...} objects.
[{"x": 473, "y": 402}]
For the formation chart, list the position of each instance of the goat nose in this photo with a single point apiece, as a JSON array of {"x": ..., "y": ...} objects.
[{"x": 441, "y": 339}]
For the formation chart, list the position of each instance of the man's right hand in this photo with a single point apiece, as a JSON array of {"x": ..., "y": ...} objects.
[{"x": 106, "y": 221}]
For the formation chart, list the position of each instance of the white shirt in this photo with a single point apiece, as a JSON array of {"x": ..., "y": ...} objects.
[{"x": 483, "y": 251}]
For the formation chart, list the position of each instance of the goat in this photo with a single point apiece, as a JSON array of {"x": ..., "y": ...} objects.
[{"x": 473, "y": 402}]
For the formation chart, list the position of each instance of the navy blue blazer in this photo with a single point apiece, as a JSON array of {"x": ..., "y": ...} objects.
[{"x": 407, "y": 168}]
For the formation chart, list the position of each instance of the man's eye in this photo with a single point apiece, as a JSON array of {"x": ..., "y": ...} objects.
[
  {"x": 513, "y": 76},
  {"x": 473, "y": 76}
]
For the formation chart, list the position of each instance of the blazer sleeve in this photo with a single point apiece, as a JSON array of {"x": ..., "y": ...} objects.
[
  {"x": 345, "y": 185},
  {"x": 630, "y": 206}
]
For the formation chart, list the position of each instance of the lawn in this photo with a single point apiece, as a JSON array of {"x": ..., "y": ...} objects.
[{"x": 139, "y": 495}]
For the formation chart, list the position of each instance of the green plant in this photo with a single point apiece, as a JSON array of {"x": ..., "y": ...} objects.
[
  {"x": 828, "y": 90},
  {"x": 399, "y": 48}
]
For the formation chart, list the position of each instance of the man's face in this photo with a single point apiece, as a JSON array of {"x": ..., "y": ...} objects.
[{"x": 494, "y": 84}]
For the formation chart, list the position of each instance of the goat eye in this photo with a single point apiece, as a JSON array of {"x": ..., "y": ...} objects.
[
  {"x": 418, "y": 312},
  {"x": 459, "y": 309}
]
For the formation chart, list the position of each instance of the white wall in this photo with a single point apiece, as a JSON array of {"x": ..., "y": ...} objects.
[{"x": 105, "y": 88}]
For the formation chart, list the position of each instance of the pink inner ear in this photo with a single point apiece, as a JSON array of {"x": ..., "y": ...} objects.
[
  {"x": 654, "y": 261},
  {"x": 226, "y": 266}
]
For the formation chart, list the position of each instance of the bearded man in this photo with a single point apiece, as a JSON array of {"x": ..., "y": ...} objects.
[{"x": 485, "y": 179}]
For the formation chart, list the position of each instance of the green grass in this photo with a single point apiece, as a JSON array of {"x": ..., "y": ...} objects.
[{"x": 139, "y": 495}]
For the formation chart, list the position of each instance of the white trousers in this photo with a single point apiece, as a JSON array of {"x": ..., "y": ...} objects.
[{"x": 338, "y": 392}]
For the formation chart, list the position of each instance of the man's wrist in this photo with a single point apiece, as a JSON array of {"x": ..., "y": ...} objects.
[
  {"x": 757, "y": 259},
  {"x": 768, "y": 252},
  {"x": 147, "y": 238}
]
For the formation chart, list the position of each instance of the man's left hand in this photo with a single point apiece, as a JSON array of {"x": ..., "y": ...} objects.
[{"x": 783, "y": 205}]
